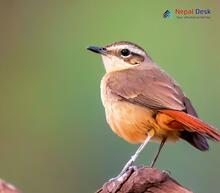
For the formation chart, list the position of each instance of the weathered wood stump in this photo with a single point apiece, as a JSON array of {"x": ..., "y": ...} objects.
[{"x": 143, "y": 180}]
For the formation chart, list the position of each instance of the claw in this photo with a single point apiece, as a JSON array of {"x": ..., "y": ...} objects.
[{"x": 120, "y": 177}]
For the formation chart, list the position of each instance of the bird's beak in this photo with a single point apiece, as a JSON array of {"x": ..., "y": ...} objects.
[{"x": 99, "y": 50}]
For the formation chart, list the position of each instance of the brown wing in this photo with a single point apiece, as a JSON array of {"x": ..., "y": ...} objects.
[
  {"x": 189, "y": 107},
  {"x": 151, "y": 88},
  {"x": 154, "y": 89}
]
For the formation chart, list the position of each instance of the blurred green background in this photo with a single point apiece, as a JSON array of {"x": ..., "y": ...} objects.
[{"x": 54, "y": 137}]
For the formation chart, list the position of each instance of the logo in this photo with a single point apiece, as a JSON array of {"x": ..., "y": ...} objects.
[
  {"x": 193, "y": 13},
  {"x": 167, "y": 14}
]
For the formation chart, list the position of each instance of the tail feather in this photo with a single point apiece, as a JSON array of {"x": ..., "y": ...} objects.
[
  {"x": 194, "y": 124},
  {"x": 195, "y": 139}
]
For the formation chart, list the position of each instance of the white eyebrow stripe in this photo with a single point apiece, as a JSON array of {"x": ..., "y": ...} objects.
[{"x": 129, "y": 47}]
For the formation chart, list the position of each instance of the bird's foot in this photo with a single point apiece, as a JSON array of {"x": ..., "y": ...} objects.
[{"x": 124, "y": 173}]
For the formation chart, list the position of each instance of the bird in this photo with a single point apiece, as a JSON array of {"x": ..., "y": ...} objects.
[{"x": 144, "y": 103}]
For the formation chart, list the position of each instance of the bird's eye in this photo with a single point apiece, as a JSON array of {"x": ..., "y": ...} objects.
[{"x": 125, "y": 52}]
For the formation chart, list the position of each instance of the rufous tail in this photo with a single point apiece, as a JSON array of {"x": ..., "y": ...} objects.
[{"x": 194, "y": 124}]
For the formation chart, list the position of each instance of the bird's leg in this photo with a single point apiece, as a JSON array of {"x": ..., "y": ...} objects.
[
  {"x": 135, "y": 156},
  {"x": 158, "y": 153}
]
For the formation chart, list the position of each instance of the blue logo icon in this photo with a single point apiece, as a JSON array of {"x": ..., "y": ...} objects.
[{"x": 167, "y": 14}]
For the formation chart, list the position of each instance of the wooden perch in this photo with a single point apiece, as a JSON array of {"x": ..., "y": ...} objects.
[{"x": 143, "y": 180}]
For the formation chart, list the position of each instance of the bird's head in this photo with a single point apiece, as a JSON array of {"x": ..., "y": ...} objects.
[{"x": 121, "y": 55}]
